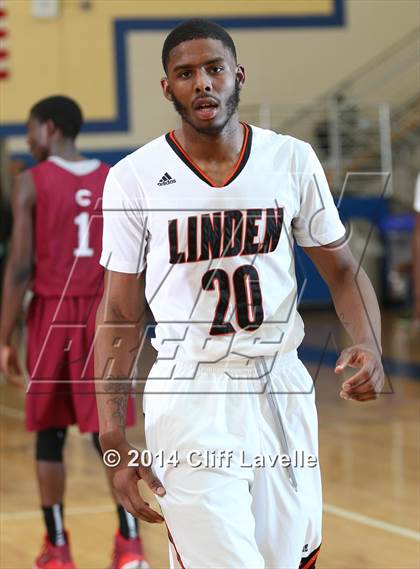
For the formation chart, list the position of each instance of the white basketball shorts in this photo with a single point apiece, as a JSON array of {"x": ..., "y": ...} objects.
[{"x": 235, "y": 445}]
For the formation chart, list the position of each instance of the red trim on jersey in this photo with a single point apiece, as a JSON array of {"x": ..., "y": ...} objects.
[
  {"x": 240, "y": 164},
  {"x": 308, "y": 562},
  {"x": 171, "y": 539}
]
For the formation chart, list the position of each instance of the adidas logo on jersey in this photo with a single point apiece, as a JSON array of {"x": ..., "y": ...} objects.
[{"x": 166, "y": 179}]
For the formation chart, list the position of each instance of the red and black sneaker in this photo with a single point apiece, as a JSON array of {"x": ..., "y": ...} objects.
[
  {"x": 128, "y": 554},
  {"x": 54, "y": 556}
]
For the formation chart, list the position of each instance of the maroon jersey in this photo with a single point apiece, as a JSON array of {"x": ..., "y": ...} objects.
[{"x": 68, "y": 227}]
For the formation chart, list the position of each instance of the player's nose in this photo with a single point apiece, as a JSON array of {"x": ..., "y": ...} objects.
[{"x": 202, "y": 81}]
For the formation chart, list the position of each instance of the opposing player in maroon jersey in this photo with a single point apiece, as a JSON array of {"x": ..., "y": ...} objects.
[{"x": 55, "y": 249}]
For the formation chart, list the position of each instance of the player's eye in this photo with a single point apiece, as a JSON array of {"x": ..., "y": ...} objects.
[
  {"x": 185, "y": 74},
  {"x": 217, "y": 69}
]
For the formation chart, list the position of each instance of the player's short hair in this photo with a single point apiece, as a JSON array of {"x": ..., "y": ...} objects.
[
  {"x": 64, "y": 112},
  {"x": 195, "y": 29}
]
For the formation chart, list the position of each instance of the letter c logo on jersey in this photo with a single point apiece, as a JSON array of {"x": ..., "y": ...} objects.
[
  {"x": 82, "y": 220},
  {"x": 83, "y": 197}
]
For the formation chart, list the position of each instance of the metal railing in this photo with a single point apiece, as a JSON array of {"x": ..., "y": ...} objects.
[{"x": 354, "y": 126}]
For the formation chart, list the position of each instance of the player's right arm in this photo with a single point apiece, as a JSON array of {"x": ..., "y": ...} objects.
[
  {"x": 119, "y": 322},
  {"x": 18, "y": 273}
]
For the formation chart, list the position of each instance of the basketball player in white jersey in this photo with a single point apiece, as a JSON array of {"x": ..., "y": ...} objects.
[{"x": 201, "y": 222}]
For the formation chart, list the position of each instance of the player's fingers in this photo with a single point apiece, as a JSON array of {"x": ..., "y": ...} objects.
[
  {"x": 15, "y": 371},
  {"x": 8, "y": 359},
  {"x": 346, "y": 358},
  {"x": 359, "y": 378},
  {"x": 15, "y": 365},
  {"x": 367, "y": 387},
  {"x": 371, "y": 371},
  {"x": 126, "y": 504},
  {"x": 367, "y": 396},
  {"x": 124, "y": 499},
  {"x": 372, "y": 387},
  {"x": 138, "y": 505},
  {"x": 137, "y": 512},
  {"x": 374, "y": 384},
  {"x": 362, "y": 397},
  {"x": 146, "y": 474},
  {"x": 149, "y": 515},
  {"x": 143, "y": 510},
  {"x": 366, "y": 390},
  {"x": 9, "y": 365}
]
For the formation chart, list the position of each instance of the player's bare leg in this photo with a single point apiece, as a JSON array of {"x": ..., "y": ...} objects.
[{"x": 51, "y": 481}]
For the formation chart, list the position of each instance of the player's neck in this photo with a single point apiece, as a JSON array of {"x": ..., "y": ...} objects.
[
  {"x": 66, "y": 150},
  {"x": 223, "y": 146}
]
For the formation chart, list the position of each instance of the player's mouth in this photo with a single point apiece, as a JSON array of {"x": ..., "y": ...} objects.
[{"x": 206, "y": 108}]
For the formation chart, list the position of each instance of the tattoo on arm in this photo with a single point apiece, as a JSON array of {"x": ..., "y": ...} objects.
[
  {"x": 120, "y": 412},
  {"x": 120, "y": 389}
]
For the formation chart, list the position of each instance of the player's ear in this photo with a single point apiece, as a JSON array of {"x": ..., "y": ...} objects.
[
  {"x": 51, "y": 127},
  {"x": 240, "y": 75},
  {"x": 167, "y": 93}
]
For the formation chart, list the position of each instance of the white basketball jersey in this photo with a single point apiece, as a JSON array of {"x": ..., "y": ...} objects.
[{"x": 220, "y": 271}]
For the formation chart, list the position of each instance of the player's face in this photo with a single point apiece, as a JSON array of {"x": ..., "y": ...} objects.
[
  {"x": 203, "y": 82},
  {"x": 38, "y": 139}
]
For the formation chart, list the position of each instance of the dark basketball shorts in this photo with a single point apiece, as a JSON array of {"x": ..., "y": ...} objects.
[{"x": 60, "y": 363}]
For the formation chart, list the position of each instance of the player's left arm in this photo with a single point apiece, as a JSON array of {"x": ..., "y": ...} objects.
[
  {"x": 357, "y": 307},
  {"x": 18, "y": 272}
]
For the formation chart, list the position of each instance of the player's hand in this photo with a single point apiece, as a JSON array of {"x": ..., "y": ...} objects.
[
  {"x": 9, "y": 365},
  {"x": 367, "y": 383},
  {"x": 125, "y": 484}
]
